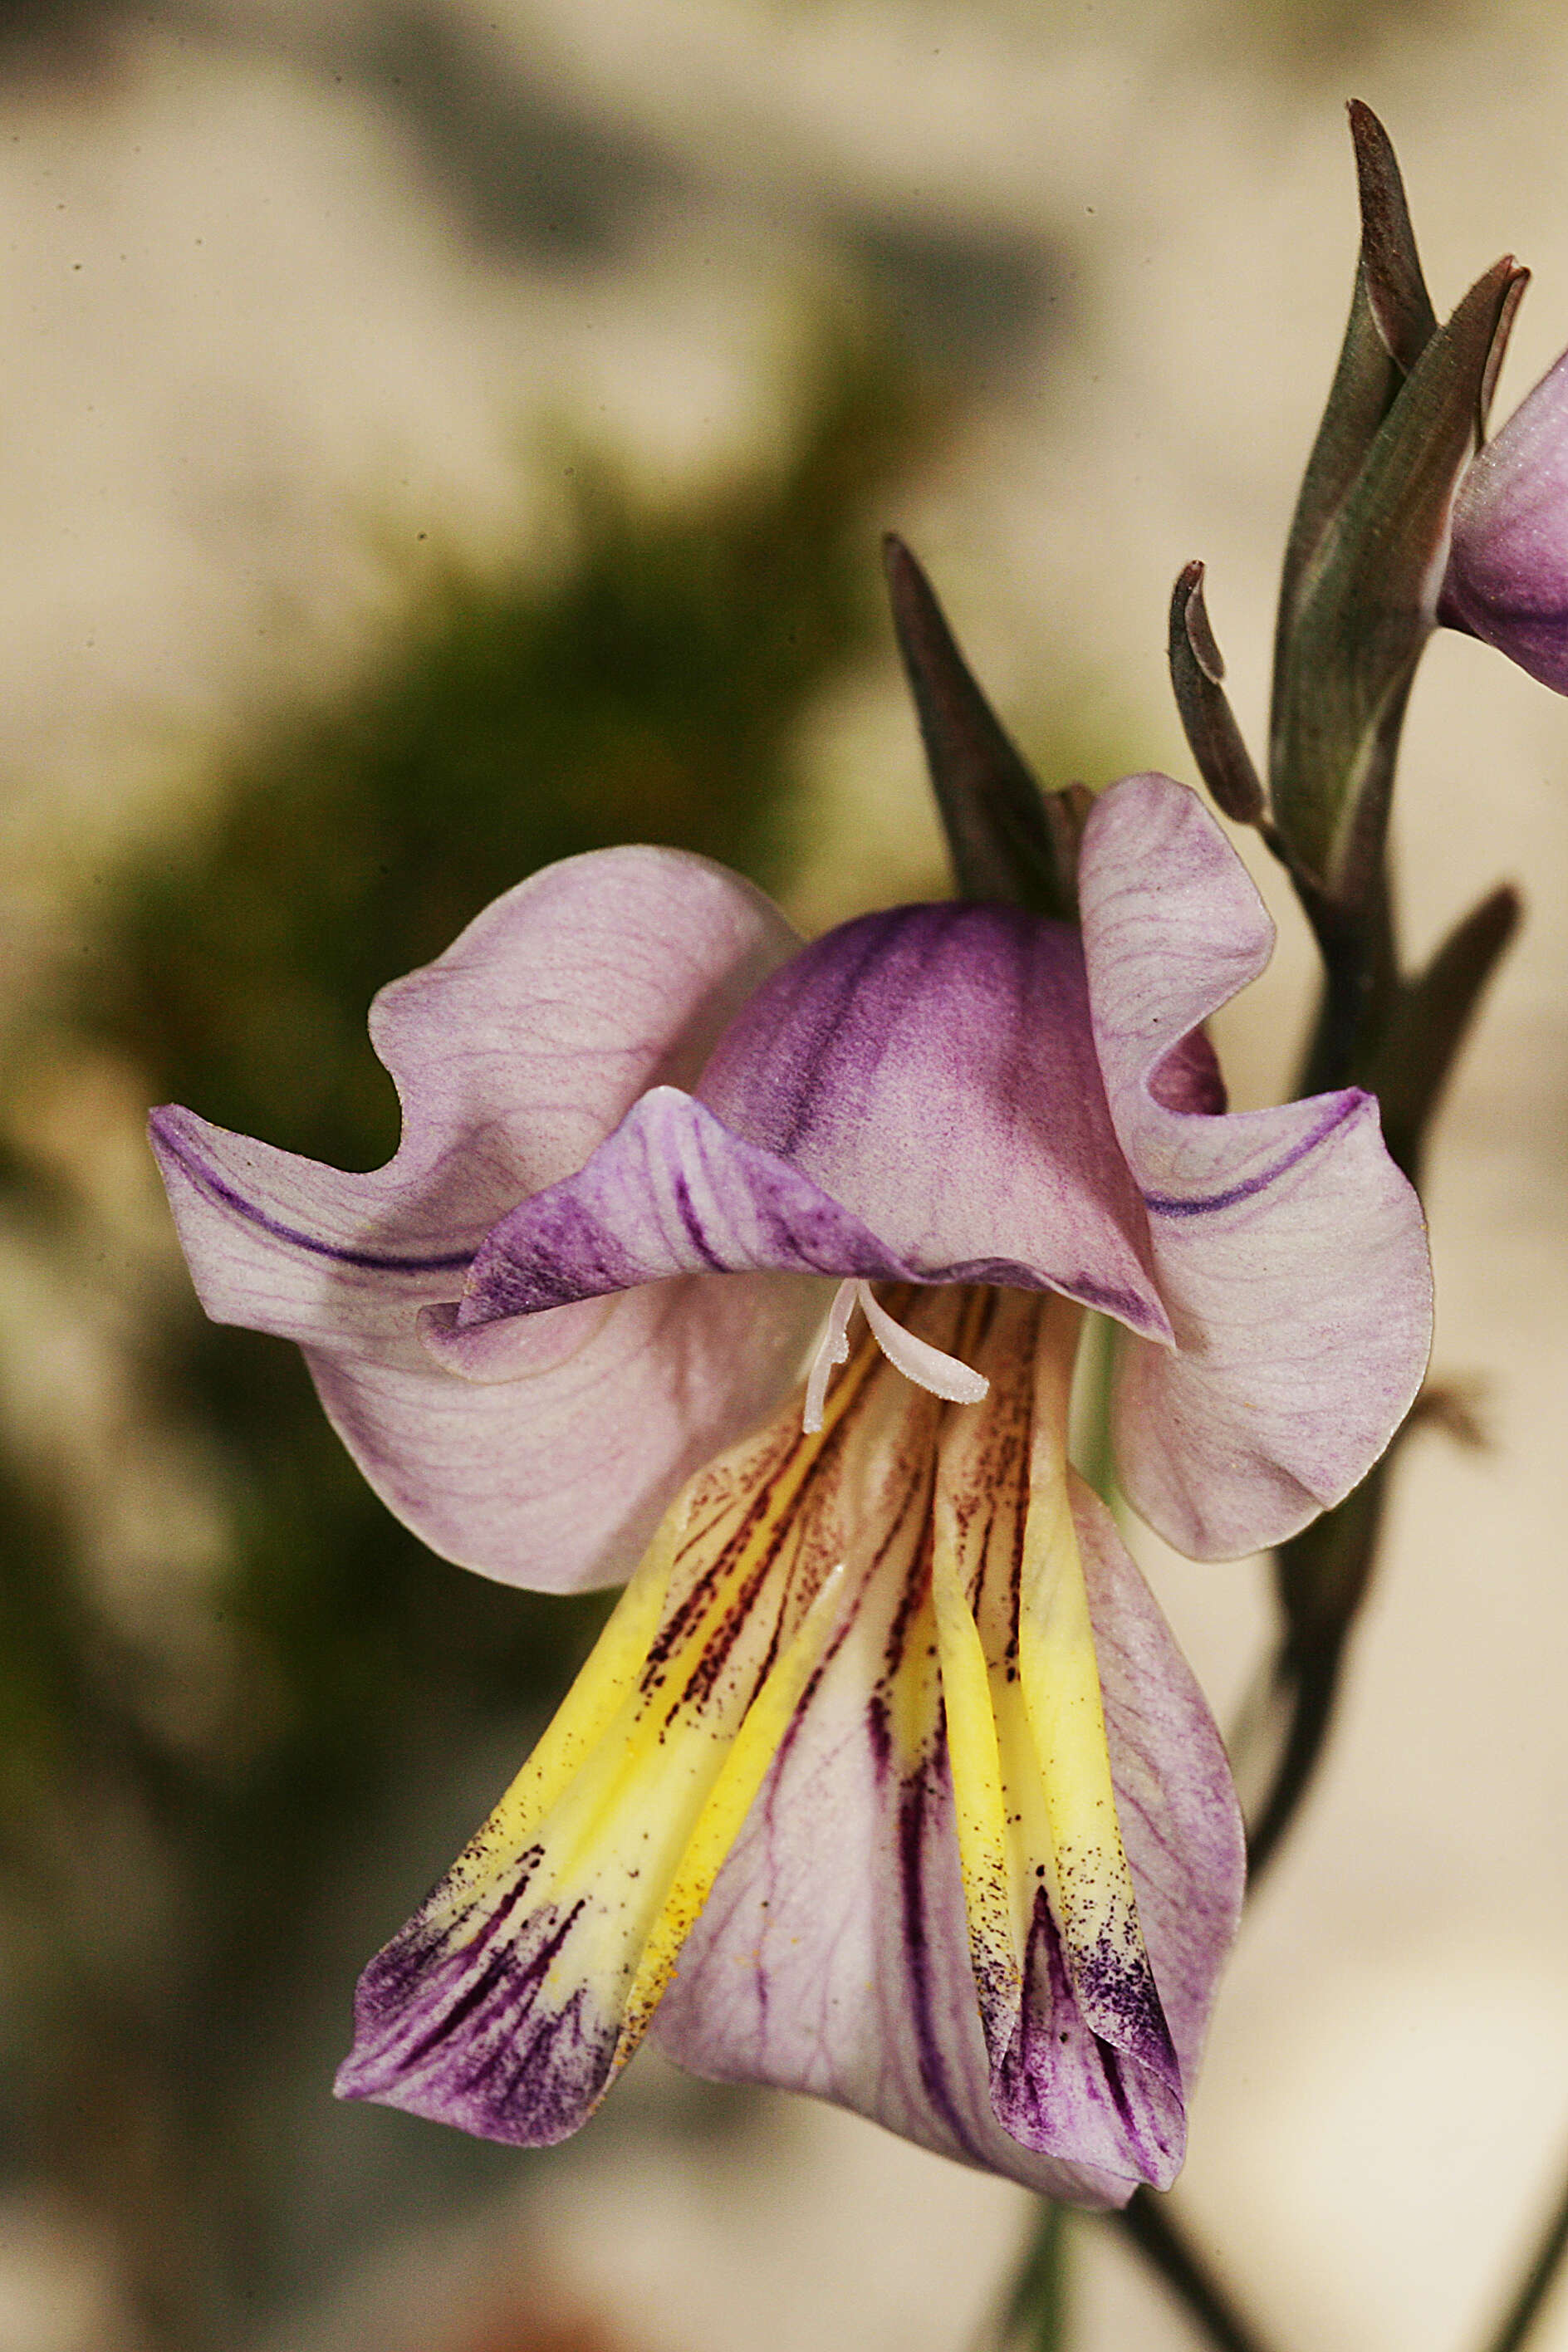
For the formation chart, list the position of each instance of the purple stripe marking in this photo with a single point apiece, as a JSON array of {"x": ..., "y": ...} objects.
[
  {"x": 1169, "y": 1204},
  {"x": 921, "y": 1796},
  {"x": 692, "y": 1223},
  {"x": 376, "y": 1261}
]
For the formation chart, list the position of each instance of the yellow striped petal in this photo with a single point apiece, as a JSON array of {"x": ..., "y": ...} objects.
[
  {"x": 1058, "y": 1958},
  {"x": 509, "y": 2003}
]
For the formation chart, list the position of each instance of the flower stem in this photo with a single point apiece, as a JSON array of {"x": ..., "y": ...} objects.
[
  {"x": 1035, "y": 2316},
  {"x": 1148, "y": 2224},
  {"x": 1528, "y": 2302},
  {"x": 1322, "y": 1577}
]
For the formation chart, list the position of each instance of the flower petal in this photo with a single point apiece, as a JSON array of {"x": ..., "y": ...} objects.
[
  {"x": 933, "y": 1069},
  {"x": 1508, "y": 563},
  {"x": 1290, "y": 1251},
  {"x": 833, "y": 1956},
  {"x": 915, "y": 1096},
  {"x": 508, "y": 2004},
  {"x": 556, "y": 1480},
  {"x": 1067, "y": 1999},
  {"x": 514, "y": 1055},
  {"x": 1175, "y": 1802}
]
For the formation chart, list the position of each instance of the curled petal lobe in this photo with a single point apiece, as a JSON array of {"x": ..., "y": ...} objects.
[
  {"x": 1290, "y": 1251},
  {"x": 670, "y": 1191},
  {"x": 914, "y": 1096},
  {"x": 514, "y": 1055}
]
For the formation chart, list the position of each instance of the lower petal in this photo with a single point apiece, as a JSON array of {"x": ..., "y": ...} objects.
[
  {"x": 833, "y": 1956},
  {"x": 1080, "y": 2053},
  {"x": 509, "y": 2003},
  {"x": 836, "y": 1956}
]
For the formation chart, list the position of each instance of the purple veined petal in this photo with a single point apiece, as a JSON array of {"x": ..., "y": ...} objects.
[
  {"x": 914, "y": 1098},
  {"x": 514, "y": 1055},
  {"x": 1508, "y": 562},
  {"x": 833, "y": 1956},
  {"x": 1291, "y": 1252},
  {"x": 467, "y": 2016},
  {"x": 1175, "y": 1802},
  {"x": 674, "y": 1192},
  {"x": 932, "y": 1068}
]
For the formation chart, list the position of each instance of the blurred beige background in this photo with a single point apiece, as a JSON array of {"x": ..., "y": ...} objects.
[{"x": 260, "y": 336}]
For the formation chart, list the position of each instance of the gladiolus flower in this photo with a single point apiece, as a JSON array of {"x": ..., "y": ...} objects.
[
  {"x": 887, "y": 1780},
  {"x": 1508, "y": 566}
]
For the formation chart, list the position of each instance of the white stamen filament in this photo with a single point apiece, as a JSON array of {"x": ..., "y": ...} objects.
[{"x": 928, "y": 1366}]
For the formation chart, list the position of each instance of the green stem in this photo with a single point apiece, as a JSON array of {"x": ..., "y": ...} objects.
[
  {"x": 1321, "y": 1576},
  {"x": 1035, "y": 2316},
  {"x": 1528, "y": 2305},
  {"x": 1148, "y": 2224}
]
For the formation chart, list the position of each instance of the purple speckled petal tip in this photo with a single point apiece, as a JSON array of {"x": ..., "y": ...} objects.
[
  {"x": 1290, "y": 1251},
  {"x": 514, "y": 1055},
  {"x": 481, "y": 2034},
  {"x": 1508, "y": 564}
]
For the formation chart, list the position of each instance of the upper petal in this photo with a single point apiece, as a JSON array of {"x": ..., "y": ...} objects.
[
  {"x": 514, "y": 1054},
  {"x": 1291, "y": 1252},
  {"x": 915, "y": 1096}
]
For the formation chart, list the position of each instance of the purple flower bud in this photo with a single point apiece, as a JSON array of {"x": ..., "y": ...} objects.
[{"x": 1508, "y": 566}]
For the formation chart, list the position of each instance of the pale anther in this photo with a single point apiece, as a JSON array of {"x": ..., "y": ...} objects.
[{"x": 918, "y": 1360}]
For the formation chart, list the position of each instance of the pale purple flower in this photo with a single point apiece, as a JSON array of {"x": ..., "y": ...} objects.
[
  {"x": 1508, "y": 566},
  {"x": 887, "y": 1780}
]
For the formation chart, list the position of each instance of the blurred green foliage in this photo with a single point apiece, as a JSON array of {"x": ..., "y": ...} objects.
[{"x": 180, "y": 1909}]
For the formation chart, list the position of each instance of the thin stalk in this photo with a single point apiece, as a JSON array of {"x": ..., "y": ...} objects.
[
  {"x": 1322, "y": 1577},
  {"x": 1035, "y": 2316},
  {"x": 1530, "y": 2300},
  {"x": 1148, "y": 2224}
]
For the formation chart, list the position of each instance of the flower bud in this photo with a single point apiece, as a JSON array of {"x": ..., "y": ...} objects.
[{"x": 1508, "y": 565}]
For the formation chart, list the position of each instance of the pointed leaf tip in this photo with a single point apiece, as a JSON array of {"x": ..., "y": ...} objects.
[
  {"x": 1513, "y": 296},
  {"x": 1361, "y": 609},
  {"x": 1395, "y": 289},
  {"x": 993, "y": 812},
  {"x": 1391, "y": 321},
  {"x": 1197, "y": 670},
  {"x": 1432, "y": 1016}
]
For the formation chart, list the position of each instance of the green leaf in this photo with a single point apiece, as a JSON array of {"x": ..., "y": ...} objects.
[
  {"x": 1430, "y": 1019},
  {"x": 1365, "y": 603},
  {"x": 1006, "y": 840},
  {"x": 1390, "y": 322}
]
